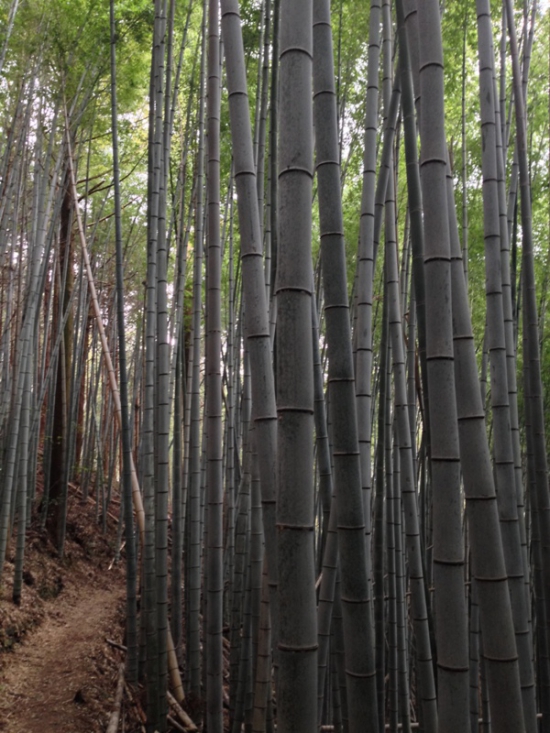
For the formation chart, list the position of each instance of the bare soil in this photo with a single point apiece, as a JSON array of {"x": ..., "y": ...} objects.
[
  {"x": 56, "y": 679},
  {"x": 57, "y": 673}
]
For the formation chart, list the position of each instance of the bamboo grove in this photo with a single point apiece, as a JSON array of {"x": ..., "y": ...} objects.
[{"x": 273, "y": 291}]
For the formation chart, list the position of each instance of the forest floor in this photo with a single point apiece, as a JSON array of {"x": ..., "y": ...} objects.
[
  {"x": 60, "y": 648},
  {"x": 57, "y": 672}
]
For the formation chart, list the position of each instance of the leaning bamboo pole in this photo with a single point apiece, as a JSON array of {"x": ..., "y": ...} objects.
[{"x": 136, "y": 493}]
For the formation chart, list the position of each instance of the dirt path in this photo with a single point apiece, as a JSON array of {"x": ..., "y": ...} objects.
[{"x": 61, "y": 679}]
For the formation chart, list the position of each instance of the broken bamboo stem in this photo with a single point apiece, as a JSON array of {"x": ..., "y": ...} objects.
[{"x": 115, "y": 715}]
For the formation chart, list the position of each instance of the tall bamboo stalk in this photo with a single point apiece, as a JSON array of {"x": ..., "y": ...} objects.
[
  {"x": 297, "y": 643},
  {"x": 214, "y": 498},
  {"x": 356, "y": 596},
  {"x": 256, "y": 323},
  {"x": 131, "y": 564}
]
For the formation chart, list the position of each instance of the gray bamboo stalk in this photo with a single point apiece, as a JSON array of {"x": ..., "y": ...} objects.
[
  {"x": 297, "y": 641},
  {"x": 262, "y": 683},
  {"x": 63, "y": 277},
  {"x": 131, "y": 564},
  {"x": 230, "y": 415},
  {"x": 322, "y": 446},
  {"x": 203, "y": 535},
  {"x": 485, "y": 709},
  {"x": 186, "y": 460},
  {"x": 149, "y": 613},
  {"x": 414, "y": 194},
  {"x": 237, "y": 599},
  {"x": 256, "y": 563},
  {"x": 536, "y": 552},
  {"x": 157, "y": 236},
  {"x": 503, "y": 449},
  {"x": 407, "y": 489},
  {"x": 245, "y": 662},
  {"x": 532, "y": 353},
  {"x": 273, "y": 153},
  {"x": 78, "y": 368},
  {"x": 487, "y": 556},
  {"x": 148, "y": 616},
  {"x": 474, "y": 658},
  {"x": 325, "y": 608},
  {"x": 380, "y": 508},
  {"x": 502, "y": 75},
  {"x": 36, "y": 409},
  {"x": 365, "y": 270},
  {"x": 339, "y": 658},
  {"x": 263, "y": 94},
  {"x": 470, "y": 417},
  {"x": 358, "y": 636},
  {"x": 481, "y": 510},
  {"x": 238, "y": 594},
  {"x": 214, "y": 487},
  {"x": 391, "y": 510},
  {"x": 240, "y": 609},
  {"x": 256, "y": 323},
  {"x": 334, "y": 712},
  {"x": 176, "y": 615},
  {"x": 36, "y": 277},
  {"x": 509, "y": 327},
  {"x": 7, "y": 333},
  {"x": 411, "y": 378},
  {"x": 89, "y": 436},
  {"x": 400, "y": 595},
  {"x": 329, "y": 538},
  {"x": 22, "y": 485},
  {"x": 257, "y": 102},
  {"x": 194, "y": 552}
]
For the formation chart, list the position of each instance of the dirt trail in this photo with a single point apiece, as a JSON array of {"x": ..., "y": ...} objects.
[{"x": 55, "y": 681}]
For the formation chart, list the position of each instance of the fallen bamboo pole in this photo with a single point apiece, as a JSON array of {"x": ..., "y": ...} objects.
[
  {"x": 116, "y": 645},
  {"x": 115, "y": 715},
  {"x": 139, "y": 712},
  {"x": 182, "y": 715},
  {"x": 174, "y": 723}
]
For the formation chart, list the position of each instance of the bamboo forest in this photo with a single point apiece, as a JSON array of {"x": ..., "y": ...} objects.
[{"x": 274, "y": 285}]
